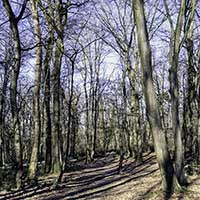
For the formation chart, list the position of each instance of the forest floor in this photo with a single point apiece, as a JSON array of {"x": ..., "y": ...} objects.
[{"x": 100, "y": 181}]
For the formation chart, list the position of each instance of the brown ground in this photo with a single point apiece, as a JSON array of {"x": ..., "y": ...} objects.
[{"x": 100, "y": 181}]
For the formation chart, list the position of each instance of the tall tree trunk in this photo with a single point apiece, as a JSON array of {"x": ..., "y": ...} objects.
[
  {"x": 198, "y": 106},
  {"x": 75, "y": 124},
  {"x": 198, "y": 131},
  {"x": 69, "y": 123},
  {"x": 14, "y": 20},
  {"x": 47, "y": 100},
  {"x": 61, "y": 20},
  {"x": 96, "y": 116},
  {"x": 135, "y": 107},
  {"x": 87, "y": 133},
  {"x": 160, "y": 144},
  {"x": 179, "y": 159},
  {"x": 49, "y": 14},
  {"x": 2, "y": 104},
  {"x": 96, "y": 95},
  {"x": 36, "y": 108},
  {"x": 191, "y": 73},
  {"x": 174, "y": 91},
  {"x": 123, "y": 131},
  {"x": 56, "y": 162}
]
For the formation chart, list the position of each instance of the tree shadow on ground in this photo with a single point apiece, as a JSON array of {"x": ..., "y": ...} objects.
[
  {"x": 148, "y": 193},
  {"x": 181, "y": 195},
  {"x": 93, "y": 181}
]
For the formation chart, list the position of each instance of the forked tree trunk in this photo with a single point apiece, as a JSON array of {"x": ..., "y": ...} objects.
[
  {"x": 176, "y": 45},
  {"x": 17, "y": 154}
]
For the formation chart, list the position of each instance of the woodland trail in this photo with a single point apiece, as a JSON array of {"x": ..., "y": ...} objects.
[{"x": 100, "y": 181}]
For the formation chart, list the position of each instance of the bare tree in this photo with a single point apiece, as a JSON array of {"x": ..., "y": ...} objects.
[
  {"x": 14, "y": 21},
  {"x": 175, "y": 47},
  {"x": 160, "y": 144},
  {"x": 7, "y": 60},
  {"x": 37, "y": 120}
]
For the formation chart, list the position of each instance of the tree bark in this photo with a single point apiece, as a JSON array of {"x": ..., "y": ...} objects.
[
  {"x": 123, "y": 131},
  {"x": 36, "y": 108},
  {"x": 56, "y": 162},
  {"x": 191, "y": 74},
  {"x": 49, "y": 15},
  {"x": 198, "y": 131},
  {"x": 160, "y": 144},
  {"x": 61, "y": 20},
  {"x": 135, "y": 104},
  {"x": 47, "y": 100},
  {"x": 2, "y": 110},
  {"x": 17, "y": 155},
  {"x": 69, "y": 123},
  {"x": 174, "y": 91}
]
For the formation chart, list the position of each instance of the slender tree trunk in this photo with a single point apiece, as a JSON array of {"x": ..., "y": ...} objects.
[
  {"x": 47, "y": 100},
  {"x": 174, "y": 91},
  {"x": 49, "y": 14},
  {"x": 132, "y": 133},
  {"x": 75, "y": 122},
  {"x": 96, "y": 116},
  {"x": 179, "y": 158},
  {"x": 198, "y": 106},
  {"x": 17, "y": 155},
  {"x": 96, "y": 106},
  {"x": 198, "y": 133},
  {"x": 176, "y": 45},
  {"x": 160, "y": 144},
  {"x": 123, "y": 131},
  {"x": 69, "y": 123},
  {"x": 36, "y": 108},
  {"x": 135, "y": 107},
  {"x": 2, "y": 104},
  {"x": 87, "y": 119},
  {"x": 191, "y": 73},
  {"x": 58, "y": 165},
  {"x": 56, "y": 162}
]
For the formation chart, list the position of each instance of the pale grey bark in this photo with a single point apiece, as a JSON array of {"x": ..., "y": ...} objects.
[{"x": 36, "y": 106}]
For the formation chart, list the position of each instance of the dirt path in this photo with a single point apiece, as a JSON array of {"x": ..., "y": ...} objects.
[{"x": 100, "y": 181}]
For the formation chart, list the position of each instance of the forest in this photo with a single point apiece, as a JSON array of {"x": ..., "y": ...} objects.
[{"x": 99, "y": 99}]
